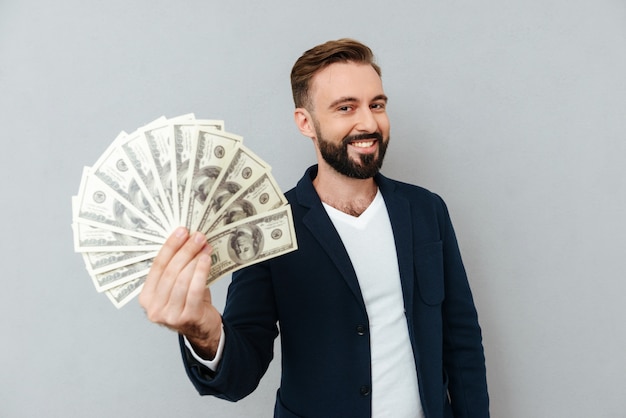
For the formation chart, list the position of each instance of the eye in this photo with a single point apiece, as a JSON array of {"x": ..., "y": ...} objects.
[
  {"x": 378, "y": 106},
  {"x": 344, "y": 108}
]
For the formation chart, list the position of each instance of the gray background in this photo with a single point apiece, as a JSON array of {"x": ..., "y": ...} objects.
[{"x": 513, "y": 111}]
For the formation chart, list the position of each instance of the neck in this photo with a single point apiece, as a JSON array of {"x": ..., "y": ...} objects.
[{"x": 351, "y": 196}]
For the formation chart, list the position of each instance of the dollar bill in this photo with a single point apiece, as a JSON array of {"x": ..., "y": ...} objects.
[
  {"x": 159, "y": 139},
  {"x": 101, "y": 206},
  {"x": 116, "y": 277},
  {"x": 136, "y": 149},
  {"x": 244, "y": 169},
  {"x": 103, "y": 261},
  {"x": 214, "y": 151},
  {"x": 262, "y": 196},
  {"x": 182, "y": 155},
  {"x": 89, "y": 238},
  {"x": 250, "y": 241},
  {"x": 124, "y": 293},
  {"x": 116, "y": 171}
]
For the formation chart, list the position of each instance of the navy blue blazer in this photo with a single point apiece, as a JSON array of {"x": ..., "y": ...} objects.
[{"x": 313, "y": 295}]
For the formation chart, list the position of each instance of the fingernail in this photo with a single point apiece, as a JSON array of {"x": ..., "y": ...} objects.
[
  {"x": 180, "y": 232},
  {"x": 199, "y": 238}
]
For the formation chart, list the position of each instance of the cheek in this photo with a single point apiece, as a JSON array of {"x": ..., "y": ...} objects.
[
  {"x": 335, "y": 132},
  {"x": 383, "y": 124}
]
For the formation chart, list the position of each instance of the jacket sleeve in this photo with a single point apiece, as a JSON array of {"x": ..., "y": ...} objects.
[
  {"x": 250, "y": 330},
  {"x": 463, "y": 355}
]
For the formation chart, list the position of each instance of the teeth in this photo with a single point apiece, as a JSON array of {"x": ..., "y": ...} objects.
[{"x": 363, "y": 144}]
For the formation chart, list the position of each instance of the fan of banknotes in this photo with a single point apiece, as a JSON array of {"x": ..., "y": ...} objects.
[{"x": 171, "y": 172}]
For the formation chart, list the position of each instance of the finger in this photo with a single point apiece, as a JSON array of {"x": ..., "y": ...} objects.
[
  {"x": 177, "y": 269},
  {"x": 197, "y": 292},
  {"x": 159, "y": 264},
  {"x": 178, "y": 293}
]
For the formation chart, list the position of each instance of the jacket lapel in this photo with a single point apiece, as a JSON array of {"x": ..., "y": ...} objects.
[
  {"x": 399, "y": 210},
  {"x": 322, "y": 229}
]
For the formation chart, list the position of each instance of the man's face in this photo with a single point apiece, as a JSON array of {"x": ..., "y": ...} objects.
[{"x": 350, "y": 118}]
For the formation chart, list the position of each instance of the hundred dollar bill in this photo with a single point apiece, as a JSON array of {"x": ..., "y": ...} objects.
[
  {"x": 182, "y": 155},
  {"x": 119, "y": 276},
  {"x": 250, "y": 241},
  {"x": 244, "y": 169},
  {"x": 262, "y": 196},
  {"x": 136, "y": 149},
  {"x": 89, "y": 238},
  {"x": 101, "y": 206},
  {"x": 100, "y": 262},
  {"x": 116, "y": 171},
  {"x": 160, "y": 139},
  {"x": 213, "y": 152},
  {"x": 124, "y": 293},
  {"x": 92, "y": 239}
]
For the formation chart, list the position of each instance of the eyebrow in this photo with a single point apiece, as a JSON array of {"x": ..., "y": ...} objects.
[{"x": 349, "y": 99}]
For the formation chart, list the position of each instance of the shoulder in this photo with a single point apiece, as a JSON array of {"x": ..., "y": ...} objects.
[{"x": 412, "y": 192}]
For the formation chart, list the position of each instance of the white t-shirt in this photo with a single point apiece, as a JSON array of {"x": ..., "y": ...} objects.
[{"x": 369, "y": 242}]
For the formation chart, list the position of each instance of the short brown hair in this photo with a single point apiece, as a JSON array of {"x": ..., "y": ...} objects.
[{"x": 321, "y": 56}]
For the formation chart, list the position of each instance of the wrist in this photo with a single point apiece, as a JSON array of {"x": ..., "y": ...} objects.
[
  {"x": 205, "y": 348},
  {"x": 206, "y": 343}
]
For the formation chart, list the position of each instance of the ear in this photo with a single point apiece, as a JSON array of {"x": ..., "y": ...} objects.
[{"x": 304, "y": 122}]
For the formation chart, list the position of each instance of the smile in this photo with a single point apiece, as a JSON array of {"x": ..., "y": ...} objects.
[{"x": 363, "y": 144}]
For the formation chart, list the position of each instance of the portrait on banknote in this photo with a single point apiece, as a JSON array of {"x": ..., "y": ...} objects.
[{"x": 245, "y": 243}]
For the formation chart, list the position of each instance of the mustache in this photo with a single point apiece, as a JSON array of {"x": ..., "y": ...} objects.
[{"x": 373, "y": 135}]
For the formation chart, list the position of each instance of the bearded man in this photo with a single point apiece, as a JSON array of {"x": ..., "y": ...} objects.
[{"x": 375, "y": 312}]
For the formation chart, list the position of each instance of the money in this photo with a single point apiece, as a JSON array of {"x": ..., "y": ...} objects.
[
  {"x": 213, "y": 152},
  {"x": 89, "y": 238},
  {"x": 171, "y": 172},
  {"x": 115, "y": 170},
  {"x": 103, "y": 207},
  {"x": 262, "y": 196},
  {"x": 250, "y": 241},
  {"x": 113, "y": 278},
  {"x": 100, "y": 262},
  {"x": 136, "y": 149},
  {"x": 243, "y": 170},
  {"x": 122, "y": 294}
]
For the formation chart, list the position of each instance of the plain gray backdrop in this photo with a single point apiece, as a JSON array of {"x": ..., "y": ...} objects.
[{"x": 513, "y": 111}]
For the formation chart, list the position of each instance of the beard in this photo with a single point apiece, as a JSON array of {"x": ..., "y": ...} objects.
[{"x": 367, "y": 165}]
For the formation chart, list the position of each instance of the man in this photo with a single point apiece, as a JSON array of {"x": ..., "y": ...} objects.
[{"x": 375, "y": 311}]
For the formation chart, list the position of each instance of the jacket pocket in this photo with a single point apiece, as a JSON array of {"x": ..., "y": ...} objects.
[{"x": 429, "y": 272}]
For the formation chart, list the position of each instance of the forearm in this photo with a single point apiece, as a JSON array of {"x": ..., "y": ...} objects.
[{"x": 249, "y": 325}]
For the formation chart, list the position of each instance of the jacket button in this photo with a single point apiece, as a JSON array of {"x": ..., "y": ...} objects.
[
  {"x": 365, "y": 390},
  {"x": 360, "y": 330}
]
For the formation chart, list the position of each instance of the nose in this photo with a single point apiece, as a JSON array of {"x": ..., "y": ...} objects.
[{"x": 366, "y": 121}]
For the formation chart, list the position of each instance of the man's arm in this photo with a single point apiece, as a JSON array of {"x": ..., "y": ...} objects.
[{"x": 175, "y": 295}]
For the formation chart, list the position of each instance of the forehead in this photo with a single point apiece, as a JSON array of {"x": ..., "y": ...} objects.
[{"x": 354, "y": 80}]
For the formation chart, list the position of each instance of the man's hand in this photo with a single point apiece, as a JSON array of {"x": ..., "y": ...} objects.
[{"x": 175, "y": 293}]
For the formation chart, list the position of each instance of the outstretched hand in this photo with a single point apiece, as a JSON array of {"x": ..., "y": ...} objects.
[{"x": 175, "y": 293}]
